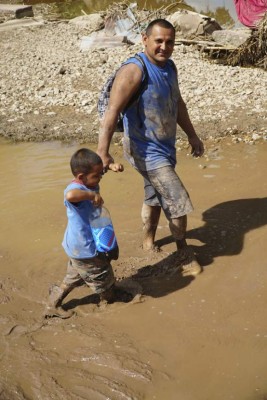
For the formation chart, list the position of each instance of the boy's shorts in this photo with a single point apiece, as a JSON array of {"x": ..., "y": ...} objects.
[
  {"x": 164, "y": 188},
  {"x": 96, "y": 272}
]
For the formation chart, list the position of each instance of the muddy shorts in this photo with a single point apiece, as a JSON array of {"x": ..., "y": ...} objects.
[
  {"x": 164, "y": 188},
  {"x": 96, "y": 272}
]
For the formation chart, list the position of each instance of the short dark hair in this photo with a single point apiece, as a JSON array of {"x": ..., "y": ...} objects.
[
  {"x": 160, "y": 22},
  {"x": 83, "y": 160}
]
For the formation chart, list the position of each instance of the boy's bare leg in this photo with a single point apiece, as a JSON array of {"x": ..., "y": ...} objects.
[
  {"x": 56, "y": 295},
  {"x": 108, "y": 295},
  {"x": 189, "y": 264},
  {"x": 150, "y": 217}
]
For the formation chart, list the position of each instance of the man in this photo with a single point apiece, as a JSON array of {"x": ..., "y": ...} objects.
[{"x": 150, "y": 134}]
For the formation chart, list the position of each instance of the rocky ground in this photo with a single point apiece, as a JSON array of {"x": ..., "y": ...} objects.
[{"x": 49, "y": 88}]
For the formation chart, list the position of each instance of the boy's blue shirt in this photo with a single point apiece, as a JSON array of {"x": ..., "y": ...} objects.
[{"x": 78, "y": 241}]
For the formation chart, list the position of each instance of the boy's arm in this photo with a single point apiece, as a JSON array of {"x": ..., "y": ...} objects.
[{"x": 77, "y": 195}]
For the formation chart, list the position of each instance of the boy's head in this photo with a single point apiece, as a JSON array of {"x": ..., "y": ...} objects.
[{"x": 87, "y": 167}]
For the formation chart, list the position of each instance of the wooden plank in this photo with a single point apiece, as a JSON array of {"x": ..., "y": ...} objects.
[
  {"x": 220, "y": 48},
  {"x": 188, "y": 41},
  {"x": 205, "y": 45},
  {"x": 21, "y": 23},
  {"x": 102, "y": 41}
]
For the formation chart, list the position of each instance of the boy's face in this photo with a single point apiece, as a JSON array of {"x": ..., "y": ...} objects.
[{"x": 93, "y": 178}]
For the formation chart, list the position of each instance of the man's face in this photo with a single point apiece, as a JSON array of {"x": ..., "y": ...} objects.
[{"x": 159, "y": 45}]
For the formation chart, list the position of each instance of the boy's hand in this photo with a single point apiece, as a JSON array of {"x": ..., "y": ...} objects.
[
  {"x": 97, "y": 201},
  {"x": 116, "y": 167}
]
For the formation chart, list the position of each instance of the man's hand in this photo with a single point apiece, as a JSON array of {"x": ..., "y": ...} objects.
[
  {"x": 106, "y": 159},
  {"x": 197, "y": 146}
]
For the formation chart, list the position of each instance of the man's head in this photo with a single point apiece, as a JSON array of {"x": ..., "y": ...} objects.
[
  {"x": 158, "y": 40},
  {"x": 87, "y": 167}
]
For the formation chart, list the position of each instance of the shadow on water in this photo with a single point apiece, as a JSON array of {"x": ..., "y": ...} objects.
[
  {"x": 225, "y": 227},
  {"x": 155, "y": 280},
  {"x": 73, "y": 303},
  {"x": 222, "y": 235},
  {"x": 150, "y": 285}
]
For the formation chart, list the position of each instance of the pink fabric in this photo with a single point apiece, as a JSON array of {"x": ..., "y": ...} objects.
[{"x": 249, "y": 12}]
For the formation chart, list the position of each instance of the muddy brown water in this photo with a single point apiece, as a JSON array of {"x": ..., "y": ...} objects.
[{"x": 202, "y": 338}]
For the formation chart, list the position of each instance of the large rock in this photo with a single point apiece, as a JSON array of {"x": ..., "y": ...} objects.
[
  {"x": 234, "y": 37},
  {"x": 101, "y": 40},
  {"x": 188, "y": 24},
  {"x": 91, "y": 22},
  {"x": 16, "y": 10}
]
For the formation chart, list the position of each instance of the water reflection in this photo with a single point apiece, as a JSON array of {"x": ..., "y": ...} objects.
[{"x": 34, "y": 167}]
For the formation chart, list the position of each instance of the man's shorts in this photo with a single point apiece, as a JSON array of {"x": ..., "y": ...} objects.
[
  {"x": 96, "y": 272},
  {"x": 164, "y": 188}
]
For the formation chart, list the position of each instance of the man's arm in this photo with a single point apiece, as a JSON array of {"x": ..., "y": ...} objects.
[
  {"x": 126, "y": 84},
  {"x": 183, "y": 120}
]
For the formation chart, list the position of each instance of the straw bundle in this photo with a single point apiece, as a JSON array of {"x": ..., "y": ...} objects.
[{"x": 254, "y": 51}]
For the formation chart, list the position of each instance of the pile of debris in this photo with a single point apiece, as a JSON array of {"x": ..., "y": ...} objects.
[
  {"x": 124, "y": 24},
  {"x": 241, "y": 46},
  {"x": 254, "y": 51}
]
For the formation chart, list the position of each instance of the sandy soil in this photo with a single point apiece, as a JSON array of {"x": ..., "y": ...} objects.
[{"x": 201, "y": 338}]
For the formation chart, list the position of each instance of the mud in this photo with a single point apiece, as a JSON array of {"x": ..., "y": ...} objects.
[{"x": 200, "y": 338}]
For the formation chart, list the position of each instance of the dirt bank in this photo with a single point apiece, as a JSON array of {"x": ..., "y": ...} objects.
[{"x": 49, "y": 88}]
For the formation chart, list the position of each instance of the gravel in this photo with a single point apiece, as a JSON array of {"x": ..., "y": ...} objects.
[{"x": 49, "y": 88}]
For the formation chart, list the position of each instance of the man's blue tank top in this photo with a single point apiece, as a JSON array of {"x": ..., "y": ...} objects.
[
  {"x": 150, "y": 123},
  {"x": 78, "y": 240}
]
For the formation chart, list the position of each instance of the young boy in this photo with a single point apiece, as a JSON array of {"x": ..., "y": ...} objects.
[{"x": 86, "y": 264}]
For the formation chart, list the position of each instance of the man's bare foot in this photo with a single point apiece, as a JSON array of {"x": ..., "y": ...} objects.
[
  {"x": 189, "y": 265},
  {"x": 151, "y": 248}
]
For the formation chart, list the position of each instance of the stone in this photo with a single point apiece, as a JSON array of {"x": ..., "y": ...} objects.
[
  {"x": 91, "y": 22},
  {"x": 189, "y": 23},
  {"x": 16, "y": 10},
  {"x": 234, "y": 37}
]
